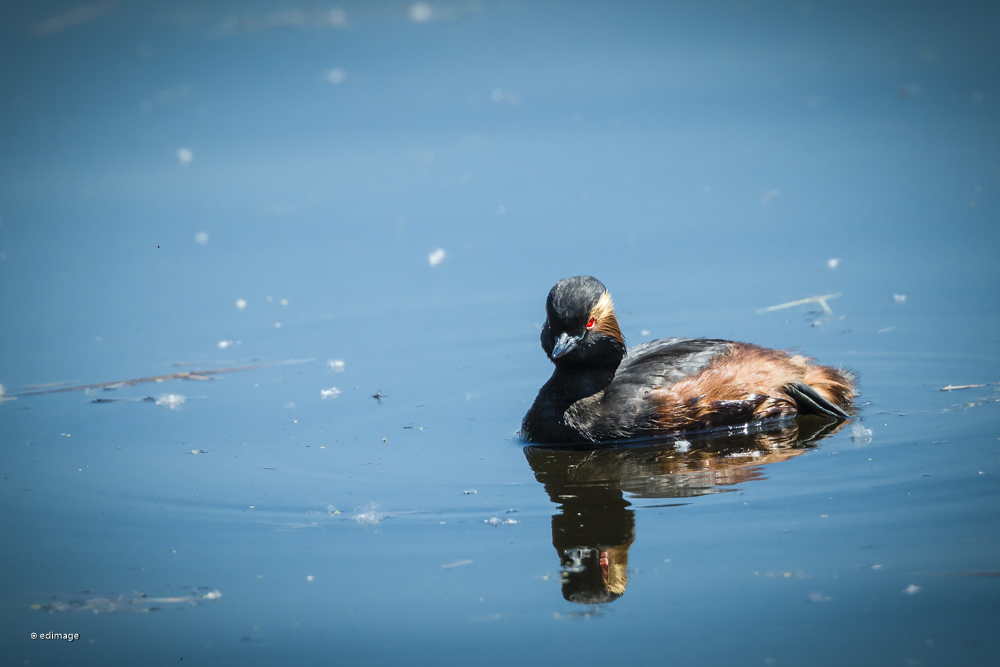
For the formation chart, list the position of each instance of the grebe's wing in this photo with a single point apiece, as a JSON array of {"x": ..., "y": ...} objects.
[{"x": 660, "y": 363}]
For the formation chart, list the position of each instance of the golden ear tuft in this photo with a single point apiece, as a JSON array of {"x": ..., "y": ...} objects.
[
  {"x": 604, "y": 312},
  {"x": 603, "y": 308}
]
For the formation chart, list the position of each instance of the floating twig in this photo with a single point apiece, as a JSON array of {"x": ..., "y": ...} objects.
[
  {"x": 821, "y": 300},
  {"x": 967, "y": 386},
  {"x": 184, "y": 375}
]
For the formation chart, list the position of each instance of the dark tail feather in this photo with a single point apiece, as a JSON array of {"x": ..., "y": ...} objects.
[{"x": 808, "y": 400}]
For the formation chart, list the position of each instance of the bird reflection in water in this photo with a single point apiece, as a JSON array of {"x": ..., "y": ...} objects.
[{"x": 595, "y": 528}]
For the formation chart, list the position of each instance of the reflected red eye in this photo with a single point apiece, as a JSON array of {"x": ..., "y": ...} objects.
[{"x": 590, "y": 323}]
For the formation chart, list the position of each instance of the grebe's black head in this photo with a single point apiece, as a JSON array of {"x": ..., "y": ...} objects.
[{"x": 580, "y": 326}]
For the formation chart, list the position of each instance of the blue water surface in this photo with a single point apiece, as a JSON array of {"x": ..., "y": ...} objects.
[{"x": 331, "y": 203}]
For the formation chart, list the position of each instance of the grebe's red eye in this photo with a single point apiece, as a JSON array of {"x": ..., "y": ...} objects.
[{"x": 590, "y": 323}]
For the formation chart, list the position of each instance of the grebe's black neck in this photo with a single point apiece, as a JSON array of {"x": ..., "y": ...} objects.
[{"x": 545, "y": 421}]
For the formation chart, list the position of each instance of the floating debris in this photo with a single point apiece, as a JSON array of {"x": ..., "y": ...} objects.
[
  {"x": 241, "y": 303},
  {"x": 184, "y": 375},
  {"x": 436, "y": 257},
  {"x": 458, "y": 563},
  {"x": 469, "y": 492},
  {"x": 899, "y": 298},
  {"x": 368, "y": 515},
  {"x": 421, "y": 12},
  {"x": 172, "y": 401},
  {"x": 332, "y": 392},
  {"x": 136, "y": 603},
  {"x": 496, "y": 521},
  {"x": 147, "y": 399},
  {"x": 185, "y": 156},
  {"x": 912, "y": 589},
  {"x": 378, "y": 396},
  {"x": 338, "y": 17},
  {"x": 682, "y": 446},
  {"x": 821, "y": 300},
  {"x": 336, "y": 365},
  {"x": 860, "y": 434},
  {"x": 833, "y": 263},
  {"x": 953, "y": 387},
  {"x": 199, "y": 451}
]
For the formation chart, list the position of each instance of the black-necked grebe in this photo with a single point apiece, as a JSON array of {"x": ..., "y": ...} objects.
[{"x": 600, "y": 391}]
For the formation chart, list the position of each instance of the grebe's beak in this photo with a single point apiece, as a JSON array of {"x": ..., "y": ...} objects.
[{"x": 564, "y": 345}]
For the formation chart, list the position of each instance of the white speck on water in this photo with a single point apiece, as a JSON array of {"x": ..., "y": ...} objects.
[
  {"x": 818, "y": 597},
  {"x": 368, "y": 515},
  {"x": 496, "y": 521},
  {"x": 201, "y": 238},
  {"x": 310, "y": 578},
  {"x": 436, "y": 257},
  {"x": 682, "y": 446},
  {"x": 337, "y": 17},
  {"x": 223, "y": 344},
  {"x": 336, "y": 365},
  {"x": 899, "y": 298},
  {"x": 860, "y": 434},
  {"x": 332, "y": 392},
  {"x": 833, "y": 263},
  {"x": 172, "y": 401},
  {"x": 912, "y": 589},
  {"x": 185, "y": 156},
  {"x": 458, "y": 563},
  {"x": 277, "y": 325},
  {"x": 768, "y": 196},
  {"x": 284, "y": 302},
  {"x": 469, "y": 492},
  {"x": 289, "y": 405},
  {"x": 241, "y": 303},
  {"x": 336, "y": 75},
  {"x": 421, "y": 12},
  {"x": 213, "y": 595},
  {"x": 645, "y": 332}
]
